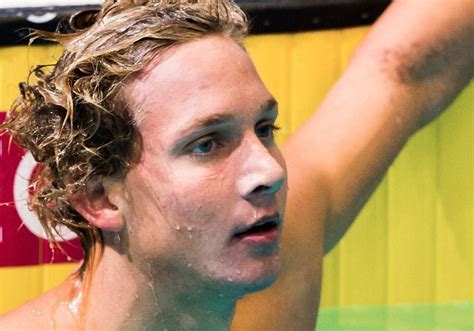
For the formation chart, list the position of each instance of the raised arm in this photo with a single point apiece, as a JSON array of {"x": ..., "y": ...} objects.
[
  {"x": 418, "y": 56},
  {"x": 415, "y": 60}
]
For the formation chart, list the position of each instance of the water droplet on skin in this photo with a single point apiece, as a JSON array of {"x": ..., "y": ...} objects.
[
  {"x": 230, "y": 279},
  {"x": 116, "y": 238},
  {"x": 137, "y": 296},
  {"x": 190, "y": 265},
  {"x": 238, "y": 272},
  {"x": 177, "y": 227},
  {"x": 75, "y": 302},
  {"x": 189, "y": 228},
  {"x": 128, "y": 315},
  {"x": 190, "y": 235}
]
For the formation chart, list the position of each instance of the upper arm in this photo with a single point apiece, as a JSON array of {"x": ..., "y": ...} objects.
[
  {"x": 391, "y": 88},
  {"x": 410, "y": 66}
]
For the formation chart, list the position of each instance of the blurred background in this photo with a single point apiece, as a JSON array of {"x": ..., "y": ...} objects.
[{"x": 407, "y": 263}]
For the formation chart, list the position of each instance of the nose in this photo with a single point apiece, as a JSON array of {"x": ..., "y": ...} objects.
[{"x": 263, "y": 171}]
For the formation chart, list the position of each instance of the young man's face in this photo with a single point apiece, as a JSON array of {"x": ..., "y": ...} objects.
[{"x": 210, "y": 169}]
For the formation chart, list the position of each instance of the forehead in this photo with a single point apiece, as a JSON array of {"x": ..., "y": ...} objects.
[{"x": 213, "y": 74}]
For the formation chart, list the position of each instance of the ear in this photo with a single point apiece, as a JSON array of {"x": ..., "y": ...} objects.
[{"x": 94, "y": 205}]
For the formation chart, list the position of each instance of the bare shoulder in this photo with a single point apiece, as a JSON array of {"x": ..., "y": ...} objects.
[
  {"x": 41, "y": 313},
  {"x": 27, "y": 317}
]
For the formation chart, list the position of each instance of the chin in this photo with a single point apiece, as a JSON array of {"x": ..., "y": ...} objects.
[
  {"x": 261, "y": 283},
  {"x": 251, "y": 279}
]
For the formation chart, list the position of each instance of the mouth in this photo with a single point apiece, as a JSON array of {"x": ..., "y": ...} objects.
[{"x": 263, "y": 231}]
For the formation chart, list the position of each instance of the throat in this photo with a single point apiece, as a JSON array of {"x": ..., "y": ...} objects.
[{"x": 124, "y": 296}]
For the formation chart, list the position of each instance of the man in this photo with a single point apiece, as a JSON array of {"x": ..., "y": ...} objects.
[{"x": 158, "y": 150}]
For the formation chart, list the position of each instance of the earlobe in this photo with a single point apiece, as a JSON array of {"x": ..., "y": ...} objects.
[{"x": 94, "y": 205}]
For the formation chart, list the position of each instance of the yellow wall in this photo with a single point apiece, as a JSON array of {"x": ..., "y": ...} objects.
[{"x": 412, "y": 243}]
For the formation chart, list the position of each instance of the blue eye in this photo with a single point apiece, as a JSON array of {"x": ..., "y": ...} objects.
[{"x": 204, "y": 148}]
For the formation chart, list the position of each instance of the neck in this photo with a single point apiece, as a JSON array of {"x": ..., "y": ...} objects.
[{"x": 122, "y": 295}]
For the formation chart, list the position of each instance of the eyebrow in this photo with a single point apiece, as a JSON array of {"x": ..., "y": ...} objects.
[
  {"x": 213, "y": 120},
  {"x": 216, "y": 120},
  {"x": 271, "y": 105}
]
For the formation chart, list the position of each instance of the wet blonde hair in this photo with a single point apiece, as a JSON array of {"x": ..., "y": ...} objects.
[{"x": 72, "y": 117}]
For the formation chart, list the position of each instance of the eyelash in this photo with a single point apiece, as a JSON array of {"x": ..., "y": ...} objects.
[
  {"x": 273, "y": 129},
  {"x": 214, "y": 139}
]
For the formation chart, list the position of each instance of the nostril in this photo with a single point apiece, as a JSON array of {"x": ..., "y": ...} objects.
[
  {"x": 261, "y": 189},
  {"x": 268, "y": 189}
]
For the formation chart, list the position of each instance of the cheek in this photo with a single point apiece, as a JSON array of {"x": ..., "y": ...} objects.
[
  {"x": 178, "y": 206},
  {"x": 199, "y": 194},
  {"x": 197, "y": 204}
]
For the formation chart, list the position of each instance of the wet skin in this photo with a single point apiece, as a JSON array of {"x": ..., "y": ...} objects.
[
  {"x": 200, "y": 217},
  {"x": 179, "y": 210},
  {"x": 210, "y": 169}
]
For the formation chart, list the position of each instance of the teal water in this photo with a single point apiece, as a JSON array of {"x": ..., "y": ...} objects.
[{"x": 446, "y": 317}]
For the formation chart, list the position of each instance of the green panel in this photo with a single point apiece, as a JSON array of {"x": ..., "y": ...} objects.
[
  {"x": 363, "y": 254},
  {"x": 411, "y": 221},
  {"x": 455, "y": 202},
  {"x": 453, "y": 317},
  {"x": 330, "y": 290}
]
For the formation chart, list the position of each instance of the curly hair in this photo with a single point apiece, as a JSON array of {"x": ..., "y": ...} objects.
[{"x": 73, "y": 119}]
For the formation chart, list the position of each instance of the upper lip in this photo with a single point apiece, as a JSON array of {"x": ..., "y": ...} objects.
[{"x": 273, "y": 218}]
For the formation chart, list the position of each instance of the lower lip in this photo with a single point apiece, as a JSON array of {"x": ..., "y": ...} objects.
[{"x": 260, "y": 238}]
